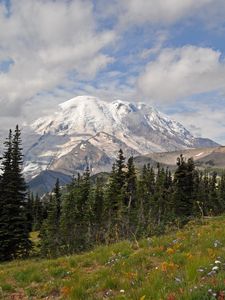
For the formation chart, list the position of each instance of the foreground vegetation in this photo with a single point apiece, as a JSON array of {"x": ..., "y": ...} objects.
[{"x": 185, "y": 264}]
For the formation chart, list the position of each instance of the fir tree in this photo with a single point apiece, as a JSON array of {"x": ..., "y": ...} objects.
[
  {"x": 50, "y": 230},
  {"x": 184, "y": 186},
  {"x": 97, "y": 217},
  {"x": 6, "y": 235},
  {"x": 69, "y": 228},
  {"x": 214, "y": 203},
  {"x": 38, "y": 213},
  {"x": 221, "y": 191},
  {"x": 14, "y": 224}
]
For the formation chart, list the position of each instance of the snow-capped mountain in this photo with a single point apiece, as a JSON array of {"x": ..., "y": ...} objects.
[{"x": 87, "y": 130}]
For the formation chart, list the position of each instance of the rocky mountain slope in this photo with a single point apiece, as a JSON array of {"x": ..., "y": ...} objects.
[
  {"x": 205, "y": 158},
  {"x": 88, "y": 131}
]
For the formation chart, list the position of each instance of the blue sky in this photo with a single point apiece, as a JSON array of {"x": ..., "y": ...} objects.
[{"x": 168, "y": 53}]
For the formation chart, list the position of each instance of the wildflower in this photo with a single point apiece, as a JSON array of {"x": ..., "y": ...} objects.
[
  {"x": 165, "y": 266},
  {"x": 216, "y": 268},
  {"x": 170, "y": 251},
  {"x": 217, "y": 262},
  {"x": 200, "y": 270},
  {"x": 171, "y": 297},
  {"x": 221, "y": 295},
  {"x": 217, "y": 243},
  {"x": 65, "y": 290},
  {"x": 122, "y": 291},
  {"x": 189, "y": 255},
  {"x": 177, "y": 246},
  {"x": 108, "y": 293},
  {"x": 211, "y": 273},
  {"x": 177, "y": 279}
]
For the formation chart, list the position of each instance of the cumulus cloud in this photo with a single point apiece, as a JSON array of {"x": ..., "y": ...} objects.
[
  {"x": 195, "y": 121},
  {"x": 182, "y": 72},
  {"x": 139, "y": 12},
  {"x": 47, "y": 41}
]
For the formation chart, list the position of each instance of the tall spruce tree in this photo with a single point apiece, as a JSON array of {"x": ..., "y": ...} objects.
[
  {"x": 184, "y": 187},
  {"x": 14, "y": 223},
  {"x": 5, "y": 201}
]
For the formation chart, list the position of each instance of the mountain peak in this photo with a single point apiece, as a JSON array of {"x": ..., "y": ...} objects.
[
  {"x": 79, "y": 100},
  {"x": 136, "y": 127}
]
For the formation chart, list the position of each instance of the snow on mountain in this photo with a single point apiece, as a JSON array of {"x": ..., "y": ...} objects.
[{"x": 91, "y": 130}]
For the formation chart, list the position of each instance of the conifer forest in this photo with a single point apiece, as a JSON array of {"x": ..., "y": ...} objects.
[{"x": 129, "y": 204}]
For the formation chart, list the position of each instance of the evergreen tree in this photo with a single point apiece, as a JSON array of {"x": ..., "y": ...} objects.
[
  {"x": 214, "y": 203},
  {"x": 5, "y": 201},
  {"x": 30, "y": 211},
  {"x": 221, "y": 191},
  {"x": 38, "y": 213},
  {"x": 14, "y": 223},
  {"x": 69, "y": 218},
  {"x": 97, "y": 217},
  {"x": 184, "y": 187},
  {"x": 76, "y": 215},
  {"x": 50, "y": 230}
]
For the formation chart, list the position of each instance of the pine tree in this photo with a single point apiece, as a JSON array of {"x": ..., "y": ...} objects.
[
  {"x": 30, "y": 212},
  {"x": 131, "y": 180},
  {"x": 144, "y": 196},
  {"x": 76, "y": 216},
  {"x": 120, "y": 170},
  {"x": 131, "y": 203},
  {"x": 214, "y": 203},
  {"x": 221, "y": 191},
  {"x": 50, "y": 230},
  {"x": 184, "y": 187},
  {"x": 38, "y": 213},
  {"x": 6, "y": 235},
  {"x": 14, "y": 224},
  {"x": 97, "y": 216},
  {"x": 116, "y": 201},
  {"x": 68, "y": 222}
]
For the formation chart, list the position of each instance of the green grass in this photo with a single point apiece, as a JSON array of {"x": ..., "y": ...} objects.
[{"x": 170, "y": 267}]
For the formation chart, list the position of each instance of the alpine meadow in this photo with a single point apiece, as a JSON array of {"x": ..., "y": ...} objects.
[{"x": 112, "y": 156}]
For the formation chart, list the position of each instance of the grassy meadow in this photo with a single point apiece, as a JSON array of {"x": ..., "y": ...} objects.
[{"x": 185, "y": 264}]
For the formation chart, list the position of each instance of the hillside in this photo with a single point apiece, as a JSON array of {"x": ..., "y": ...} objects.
[
  {"x": 185, "y": 264},
  {"x": 204, "y": 157}
]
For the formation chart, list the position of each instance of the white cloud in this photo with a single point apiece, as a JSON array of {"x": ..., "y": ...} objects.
[
  {"x": 205, "y": 121},
  {"x": 182, "y": 72},
  {"x": 139, "y": 12},
  {"x": 47, "y": 40}
]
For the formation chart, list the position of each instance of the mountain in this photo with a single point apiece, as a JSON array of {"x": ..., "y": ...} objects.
[
  {"x": 45, "y": 181},
  {"x": 205, "y": 158},
  {"x": 88, "y": 131}
]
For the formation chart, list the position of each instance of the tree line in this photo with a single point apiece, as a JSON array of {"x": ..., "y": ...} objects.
[{"x": 130, "y": 204}]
